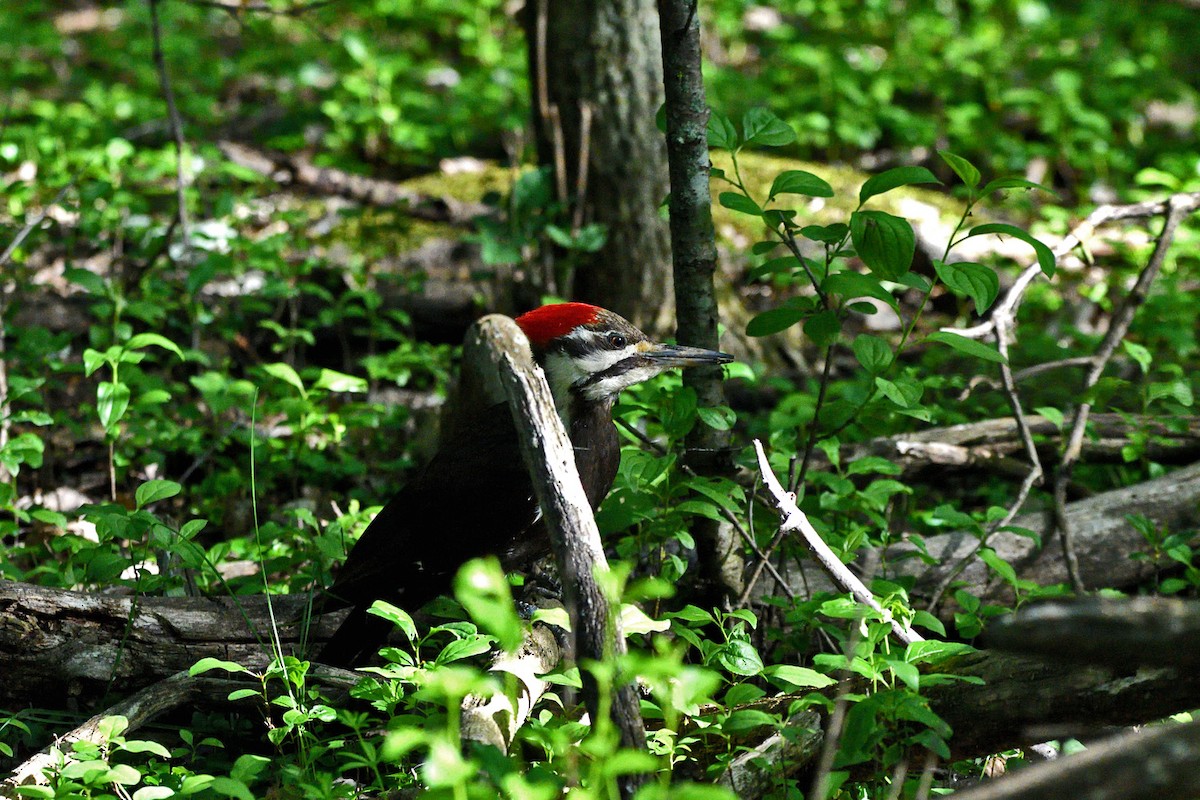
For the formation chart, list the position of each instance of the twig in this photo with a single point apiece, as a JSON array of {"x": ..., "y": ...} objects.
[
  {"x": 1064, "y": 363},
  {"x": 729, "y": 516},
  {"x": 160, "y": 64},
  {"x": 236, "y": 9},
  {"x": 795, "y": 520},
  {"x": 1176, "y": 207},
  {"x": 548, "y": 111},
  {"x": 1013, "y": 509},
  {"x": 1003, "y": 333},
  {"x": 1185, "y": 202},
  {"x": 581, "y": 177}
]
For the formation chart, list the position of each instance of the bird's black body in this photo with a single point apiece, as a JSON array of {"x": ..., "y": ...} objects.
[
  {"x": 472, "y": 499},
  {"x": 475, "y": 497}
]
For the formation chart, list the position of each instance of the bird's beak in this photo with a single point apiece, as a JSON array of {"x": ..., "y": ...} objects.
[{"x": 677, "y": 355}]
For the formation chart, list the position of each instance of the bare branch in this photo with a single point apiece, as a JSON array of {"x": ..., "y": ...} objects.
[
  {"x": 576, "y": 540},
  {"x": 795, "y": 520},
  {"x": 164, "y": 79}
]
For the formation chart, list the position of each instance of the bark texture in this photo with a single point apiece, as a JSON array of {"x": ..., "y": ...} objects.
[
  {"x": 62, "y": 649},
  {"x": 694, "y": 260},
  {"x": 605, "y": 54}
]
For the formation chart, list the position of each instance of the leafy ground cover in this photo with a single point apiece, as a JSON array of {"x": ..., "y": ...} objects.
[{"x": 231, "y": 410}]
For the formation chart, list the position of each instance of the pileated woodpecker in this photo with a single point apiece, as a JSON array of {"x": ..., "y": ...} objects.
[{"x": 475, "y": 497}]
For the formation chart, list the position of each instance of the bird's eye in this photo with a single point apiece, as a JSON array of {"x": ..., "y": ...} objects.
[{"x": 616, "y": 341}]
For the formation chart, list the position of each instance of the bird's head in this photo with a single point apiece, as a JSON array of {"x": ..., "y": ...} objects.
[{"x": 591, "y": 354}]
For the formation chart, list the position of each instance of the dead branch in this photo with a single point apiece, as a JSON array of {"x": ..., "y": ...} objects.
[
  {"x": 1152, "y": 631},
  {"x": 795, "y": 520},
  {"x": 576, "y": 540},
  {"x": 139, "y": 708},
  {"x": 299, "y": 170},
  {"x": 1160, "y": 763},
  {"x": 1107, "y": 540},
  {"x": 1177, "y": 207},
  {"x": 1185, "y": 202},
  {"x": 63, "y": 648},
  {"x": 759, "y": 770}
]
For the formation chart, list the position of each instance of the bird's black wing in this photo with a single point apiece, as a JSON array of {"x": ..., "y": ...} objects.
[{"x": 472, "y": 499}]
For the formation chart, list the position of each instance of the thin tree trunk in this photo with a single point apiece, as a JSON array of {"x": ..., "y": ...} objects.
[{"x": 695, "y": 260}]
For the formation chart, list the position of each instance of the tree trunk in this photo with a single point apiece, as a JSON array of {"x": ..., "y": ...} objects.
[
  {"x": 695, "y": 260},
  {"x": 603, "y": 60}
]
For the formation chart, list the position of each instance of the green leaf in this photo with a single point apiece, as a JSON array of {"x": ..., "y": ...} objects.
[
  {"x": 872, "y": 352},
  {"x": 962, "y": 168},
  {"x": 826, "y": 234},
  {"x": 823, "y": 328},
  {"x": 1013, "y": 183},
  {"x": 884, "y": 242},
  {"x": 1044, "y": 255},
  {"x": 1178, "y": 391},
  {"x": 771, "y": 266},
  {"x": 720, "y": 418},
  {"x": 209, "y": 663},
  {"x": 1139, "y": 354},
  {"x": 93, "y": 360},
  {"x": 892, "y": 179},
  {"x": 1054, "y": 415},
  {"x": 87, "y": 280},
  {"x": 735, "y": 201},
  {"x": 334, "y": 381},
  {"x": 802, "y": 677},
  {"x": 229, "y": 787},
  {"x": 739, "y": 657},
  {"x": 967, "y": 346},
  {"x": 746, "y": 719},
  {"x": 721, "y": 132},
  {"x": 464, "y": 648},
  {"x": 761, "y": 126},
  {"x": 154, "y": 792},
  {"x": 155, "y": 490},
  {"x": 143, "y": 340},
  {"x": 483, "y": 590},
  {"x": 1001, "y": 567},
  {"x": 634, "y": 620},
  {"x": 904, "y": 395},
  {"x": 849, "y": 285},
  {"x": 905, "y": 672},
  {"x": 143, "y": 746},
  {"x": 933, "y": 651},
  {"x": 797, "y": 181},
  {"x": 968, "y": 279},
  {"x": 287, "y": 374},
  {"x": 691, "y": 613},
  {"x": 774, "y": 320},
  {"x": 112, "y": 400},
  {"x": 242, "y": 694},
  {"x": 395, "y": 615}
]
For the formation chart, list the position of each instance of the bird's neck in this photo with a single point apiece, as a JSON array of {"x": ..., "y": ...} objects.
[{"x": 596, "y": 444}]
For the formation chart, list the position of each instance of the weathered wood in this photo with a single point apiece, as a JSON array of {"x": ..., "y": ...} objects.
[
  {"x": 983, "y": 444},
  {"x": 1106, "y": 542},
  {"x": 1150, "y": 631},
  {"x": 1029, "y": 700},
  {"x": 495, "y": 720},
  {"x": 574, "y": 536},
  {"x": 1161, "y": 763},
  {"x": 68, "y": 649}
]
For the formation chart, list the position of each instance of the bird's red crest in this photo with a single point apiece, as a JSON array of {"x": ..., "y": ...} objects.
[{"x": 549, "y": 322}]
